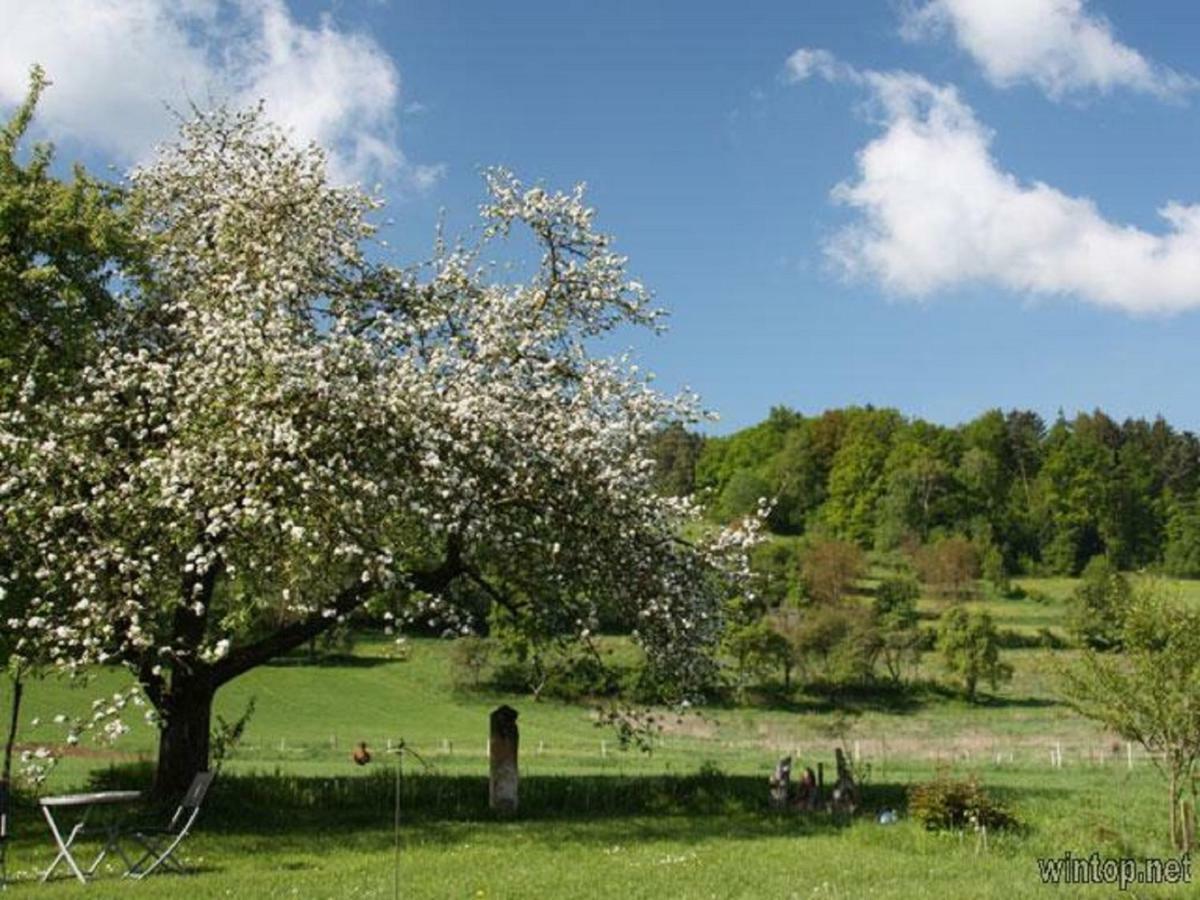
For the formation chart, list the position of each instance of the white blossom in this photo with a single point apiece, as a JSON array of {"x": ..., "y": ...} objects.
[{"x": 279, "y": 429}]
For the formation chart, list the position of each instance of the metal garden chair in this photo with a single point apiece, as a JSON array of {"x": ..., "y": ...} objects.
[{"x": 160, "y": 843}]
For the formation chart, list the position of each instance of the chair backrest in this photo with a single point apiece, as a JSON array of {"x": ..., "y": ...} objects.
[
  {"x": 189, "y": 808},
  {"x": 195, "y": 793}
]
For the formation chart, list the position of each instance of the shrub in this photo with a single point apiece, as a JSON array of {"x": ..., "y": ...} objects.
[
  {"x": 897, "y": 595},
  {"x": 837, "y": 645},
  {"x": 774, "y": 572},
  {"x": 897, "y": 618},
  {"x": 1042, "y": 639},
  {"x": 1099, "y": 605},
  {"x": 469, "y": 657},
  {"x": 946, "y": 803},
  {"x": 948, "y": 566},
  {"x": 557, "y": 673},
  {"x": 970, "y": 648},
  {"x": 761, "y": 648},
  {"x": 829, "y": 569},
  {"x": 994, "y": 571}
]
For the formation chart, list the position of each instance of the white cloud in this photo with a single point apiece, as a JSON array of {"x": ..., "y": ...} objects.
[
  {"x": 935, "y": 211},
  {"x": 119, "y": 67},
  {"x": 807, "y": 62},
  {"x": 1056, "y": 44}
]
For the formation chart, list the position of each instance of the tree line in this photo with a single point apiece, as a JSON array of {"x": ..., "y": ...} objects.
[{"x": 1037, "y": 497}]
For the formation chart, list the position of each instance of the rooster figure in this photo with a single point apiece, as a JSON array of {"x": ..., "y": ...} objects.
[{"x": 361, "y": 754}]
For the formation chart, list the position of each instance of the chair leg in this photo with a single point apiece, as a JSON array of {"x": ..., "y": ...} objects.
[
  {"x": 164, "y": 858},
  {"x": 149, "y": 851}
]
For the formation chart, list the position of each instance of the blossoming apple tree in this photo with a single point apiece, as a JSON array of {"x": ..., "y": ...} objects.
[{"x": 278, "y": 432}]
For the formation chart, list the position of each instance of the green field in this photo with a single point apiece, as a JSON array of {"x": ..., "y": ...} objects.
[{"x": 291, "y": 816}]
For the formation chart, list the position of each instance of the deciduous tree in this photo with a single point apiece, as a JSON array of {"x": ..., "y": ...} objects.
[
  {"x": 62, "y": 242},
  {"x": 278, "y": 431},
  {"x": 829, "y": 568},
  {"x": 970, "y": 649},
  {"x": 1150, "y": 693}
]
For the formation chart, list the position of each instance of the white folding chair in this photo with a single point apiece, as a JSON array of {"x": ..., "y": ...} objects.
[{"x": 160, "y": 843}]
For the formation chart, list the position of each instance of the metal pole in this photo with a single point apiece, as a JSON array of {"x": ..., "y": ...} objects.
[{"x": 396, "y": 834}]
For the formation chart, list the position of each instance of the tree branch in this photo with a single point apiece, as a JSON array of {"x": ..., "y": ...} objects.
[
  {"x": 488, "y": 588},
  {"x": 243, "y": 659}
]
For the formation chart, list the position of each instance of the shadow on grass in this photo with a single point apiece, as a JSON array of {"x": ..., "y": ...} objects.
[
  {"x": 894, "y": 698},
  {"x": 330, "y": 661},
  {"x": 286, "y": 819},
  {"x": 819, "y": 697},
  {"x": 1001, "y": 701},
  {"x": 590, "y": 807}
]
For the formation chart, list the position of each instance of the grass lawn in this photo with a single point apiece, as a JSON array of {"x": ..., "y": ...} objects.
[{"x": 292, "y": 817}]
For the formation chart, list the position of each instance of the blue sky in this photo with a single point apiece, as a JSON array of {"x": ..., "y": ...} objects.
[{"x": 956, "y": 284}]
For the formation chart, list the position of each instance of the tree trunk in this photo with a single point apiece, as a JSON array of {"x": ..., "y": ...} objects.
[
  {"x": 186, "y": 706},
  {"x": 1175, "y": 829},
  {"x": 11, "y": 742},
  {"x": 183, "y": 742}
]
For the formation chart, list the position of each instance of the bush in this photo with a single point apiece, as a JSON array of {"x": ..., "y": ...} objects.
[
  {"x": 1042, "y": 639},
  {"x": 954, "y": 804},
  {"x": 758, "y": 650},
  {"x": 1099, "y": 605},
  {"x": 948, "y": 566},
  {"x": 837, "y": 645},
  {"x": 970, "y": 648},
  {"x": 774, "y": 573},
  {"x": 994, "y": 571},
  {"x": 897, "y": 618},
  {"x": 557, "y": 674},
  {"x": 469, "y": 658},
  {"x": 829, "y": 569},
  {"x": 897, "y": 595}
]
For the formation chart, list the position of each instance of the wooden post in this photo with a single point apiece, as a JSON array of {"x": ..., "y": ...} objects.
[{"x": 502, "y": 760}]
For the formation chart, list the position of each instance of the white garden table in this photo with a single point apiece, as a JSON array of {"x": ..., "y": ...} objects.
[{"x": 86, "y": 802}]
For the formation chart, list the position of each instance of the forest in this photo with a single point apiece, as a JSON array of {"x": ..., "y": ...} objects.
[{"x": 1032, "y": 498}]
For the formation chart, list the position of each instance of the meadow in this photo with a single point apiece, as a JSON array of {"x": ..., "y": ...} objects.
[{"x": 292, "y": 816}]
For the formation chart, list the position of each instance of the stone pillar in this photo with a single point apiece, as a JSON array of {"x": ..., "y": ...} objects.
[{"x": 502, "y": 784}]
